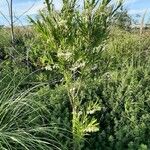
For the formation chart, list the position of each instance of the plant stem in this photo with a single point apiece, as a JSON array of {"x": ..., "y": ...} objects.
[{"x": 12, "y": 22}]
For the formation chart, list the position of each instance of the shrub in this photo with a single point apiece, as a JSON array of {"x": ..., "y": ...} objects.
[{"x": 72, "y": 41}]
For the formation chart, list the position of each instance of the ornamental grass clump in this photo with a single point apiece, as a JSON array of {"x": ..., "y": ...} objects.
[{"x": 23, "y": 121}]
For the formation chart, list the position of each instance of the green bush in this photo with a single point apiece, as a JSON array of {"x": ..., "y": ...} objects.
[
  {"x": 94, "y": 90},
  {"x": 71, "y": 42}
]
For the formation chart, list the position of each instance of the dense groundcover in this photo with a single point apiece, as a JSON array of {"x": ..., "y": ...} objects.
[{"x": 74, "y": 80}]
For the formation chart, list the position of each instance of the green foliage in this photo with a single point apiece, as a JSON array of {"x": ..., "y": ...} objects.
[
  {"x": 94, "y": 90},
  {"x": 72, "y": 42},
  {"x": 123, "y": 90}
]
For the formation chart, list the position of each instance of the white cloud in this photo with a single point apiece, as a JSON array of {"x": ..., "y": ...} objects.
[
  {"x": 137, "y": 11},
  {"x": 28, "y": 7},
  {"x": 129, "y": 2}
]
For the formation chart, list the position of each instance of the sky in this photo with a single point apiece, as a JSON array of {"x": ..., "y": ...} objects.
[{"x": 22, "y": 8}]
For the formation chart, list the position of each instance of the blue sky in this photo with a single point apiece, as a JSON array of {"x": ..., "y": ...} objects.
[
  {"x": 137, "y": 6},
  {"x": 20, "y": 6}
]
